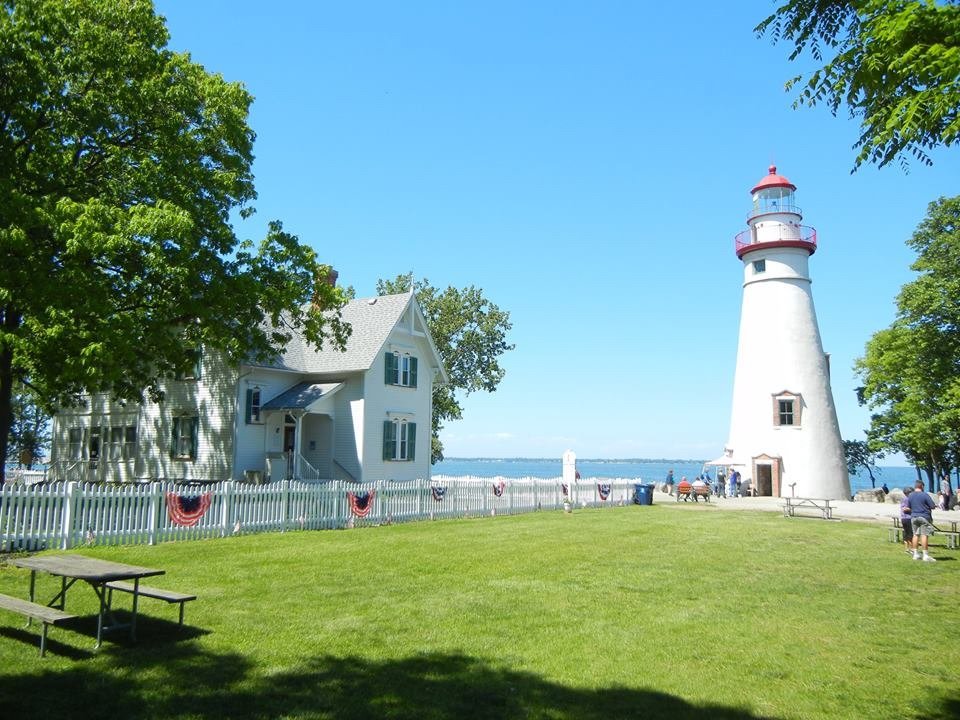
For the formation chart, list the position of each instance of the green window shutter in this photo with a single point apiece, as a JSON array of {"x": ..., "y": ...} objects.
[
  {"x": 194, "y": 437},
  {"x": 411, "y": 440},
  {"x": 389, "y": 440},
  {"x": 413, "y": 372},
  {"x": 249, "y": 404},
  {"x": 176, "y": 434},
  {"x": 390, "y": 369}
]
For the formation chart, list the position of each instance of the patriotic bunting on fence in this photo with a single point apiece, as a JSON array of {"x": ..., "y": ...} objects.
[
  {"x": 498, "y": 488},
  {"x": 361, "y": 503},
  {"x": 438, "y": 493},
  {"x": 187, "y": 511},
  {"x": 603, "y": 490}
]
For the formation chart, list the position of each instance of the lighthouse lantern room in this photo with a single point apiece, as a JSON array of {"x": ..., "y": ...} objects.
[{"x": 783, "y": 426}]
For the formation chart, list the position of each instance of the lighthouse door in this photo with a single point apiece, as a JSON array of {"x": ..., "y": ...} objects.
[{"x": 764, "y": 480}]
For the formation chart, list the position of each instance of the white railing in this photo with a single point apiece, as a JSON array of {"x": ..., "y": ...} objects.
[{"x": 64, "y": 515}]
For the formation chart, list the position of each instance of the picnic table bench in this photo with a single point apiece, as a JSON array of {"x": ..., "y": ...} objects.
[
  {"x": 821, "y": 505},
  {"x": 952, "y": 536},
  {"x": 47, "y": 616},
  {"x": 149, "y": 592}
]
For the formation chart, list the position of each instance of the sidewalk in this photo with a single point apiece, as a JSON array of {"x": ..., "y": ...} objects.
[{"x": 844, "y": 509}]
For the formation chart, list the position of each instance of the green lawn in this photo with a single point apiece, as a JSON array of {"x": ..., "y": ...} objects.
[{"x": 634, "y": 612}]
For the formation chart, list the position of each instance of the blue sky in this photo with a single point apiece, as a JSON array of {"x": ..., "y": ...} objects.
[{"x": 587, "y": 165}]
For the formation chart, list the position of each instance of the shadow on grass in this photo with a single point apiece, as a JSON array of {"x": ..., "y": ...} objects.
[{"x": 177, "y": 681}]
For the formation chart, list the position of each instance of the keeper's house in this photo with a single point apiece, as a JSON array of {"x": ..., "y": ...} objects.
[{"x": 363, "y": 414}]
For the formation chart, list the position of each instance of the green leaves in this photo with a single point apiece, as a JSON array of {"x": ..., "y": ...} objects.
[
  {"x": 911, "y": 370},
  {"x": 896, "y": 66},
  {"x": 120, "y": 165}
]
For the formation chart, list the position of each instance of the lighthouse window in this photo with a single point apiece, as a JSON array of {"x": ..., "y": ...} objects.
[
  {"x": 786, "y": 409},
  {"x": 786, "y": 412},
  {"x": 759, "y": 266}
]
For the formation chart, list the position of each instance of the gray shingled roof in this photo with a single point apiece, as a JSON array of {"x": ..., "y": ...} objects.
[
  {"x": 372, "y": 320},
  {"x": 301, "y": 396}
]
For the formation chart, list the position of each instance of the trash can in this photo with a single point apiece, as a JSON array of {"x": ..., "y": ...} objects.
[{"x": 643, "y": 493}]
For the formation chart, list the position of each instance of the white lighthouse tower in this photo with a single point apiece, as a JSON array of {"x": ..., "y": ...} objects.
[{"x": 783, "y": 425}]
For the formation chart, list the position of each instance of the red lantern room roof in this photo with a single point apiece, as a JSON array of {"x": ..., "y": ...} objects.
[{"x": 773, "y": 180}]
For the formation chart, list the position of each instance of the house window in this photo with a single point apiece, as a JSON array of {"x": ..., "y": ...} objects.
[
  {"x": 192, "y": 365},
  {"x": 75, "y": 443},
  {"x": 399, "y": 440},
  {"x": 129, "y": 441},
  {"x": 759, "y": 266},
  {"x": 122, "y": 442},
  {"x": 254, "y": 405},
  {"x": 786, "y": 410},
  {"x": 400, "y": 370},
  {"x": 185, "y": 438}
]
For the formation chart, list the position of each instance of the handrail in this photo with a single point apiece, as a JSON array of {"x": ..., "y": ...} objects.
[
  {"x": 68, "y": 468},
  {"x": 788, "y": 235},
  {"x": 305, "y": 465}
]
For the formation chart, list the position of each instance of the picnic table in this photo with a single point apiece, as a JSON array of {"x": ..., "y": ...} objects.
[
  {"x": 820, "y": 505},
  {"x": 95, "y": 573}
]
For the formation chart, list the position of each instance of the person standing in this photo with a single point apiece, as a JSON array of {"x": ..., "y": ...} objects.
[
  {"x": 921, "y": 517},
  {"x": 945, "y": 493},
  {"x": 721, "y": 482},
  {"x": 734, "y": 482},
  {"x": 669, "y": 481},
  {"x": 905, "y": 521}
]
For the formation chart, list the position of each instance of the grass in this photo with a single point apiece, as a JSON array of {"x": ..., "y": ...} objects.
[{"x": 635, "y": 612}]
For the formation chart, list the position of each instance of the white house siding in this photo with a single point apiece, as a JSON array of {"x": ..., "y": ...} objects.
[
  {"x": 209, "y": 399},
  {"x": 383, "y": 402},
  {"x": 254, "y": 440},
  {"x": 349, "y": 407}
]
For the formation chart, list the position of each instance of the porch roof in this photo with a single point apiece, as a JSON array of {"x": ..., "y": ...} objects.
[{"x": 301, "y": 396}]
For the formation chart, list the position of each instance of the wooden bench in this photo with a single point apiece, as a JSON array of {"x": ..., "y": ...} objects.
[
  {"x": 821, "y": 505},
  {"x": 688, "y": 491},
  {"x": 149, "y": 592},
  {"x": 32, "y": 611}
]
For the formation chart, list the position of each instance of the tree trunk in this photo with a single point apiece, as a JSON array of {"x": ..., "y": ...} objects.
[{"x": 6, "y": 410}]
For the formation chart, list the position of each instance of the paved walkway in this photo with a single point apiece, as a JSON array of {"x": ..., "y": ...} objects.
[{"x": 844, "y": 509}]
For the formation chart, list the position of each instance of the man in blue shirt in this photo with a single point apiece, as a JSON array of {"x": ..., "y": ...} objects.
[{"x": 921, "y": 514}]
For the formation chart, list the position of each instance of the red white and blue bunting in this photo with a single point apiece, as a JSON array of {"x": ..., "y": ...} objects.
[
  {"x": 438, "y": 493},
  {"x": 603, "y": 489},
  {"x": 361, "y": 503},
  {"x": 498, "y": 488},
  {"x": 187, "y": 511}
]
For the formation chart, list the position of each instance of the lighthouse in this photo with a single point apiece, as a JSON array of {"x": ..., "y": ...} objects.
[{"x": 784, "y": 434}]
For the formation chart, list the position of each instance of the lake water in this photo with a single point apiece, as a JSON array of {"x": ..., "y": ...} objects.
[{"x": 646, "y": 470}]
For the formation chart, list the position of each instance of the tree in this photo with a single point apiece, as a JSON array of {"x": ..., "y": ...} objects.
[
  {"x": 470, "y": 333},
  {"x": 30, "y": 429},
  {"x": 120, "y": 164},
  {"x": 859, "y": 455},
  {"x": 911, "y": 370},
  {"x": 895, "y": 64}
]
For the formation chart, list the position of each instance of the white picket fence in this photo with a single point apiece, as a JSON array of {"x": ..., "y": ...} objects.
[{"x": 65, "y": 515}]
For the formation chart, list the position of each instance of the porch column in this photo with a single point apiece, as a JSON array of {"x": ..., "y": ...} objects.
[{"x": 299, "y": 445}]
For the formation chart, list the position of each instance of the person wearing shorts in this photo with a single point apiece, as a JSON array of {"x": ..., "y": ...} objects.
[
  {"x": 921, "y": 514},
  {"x": 905, "y": 521}
]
